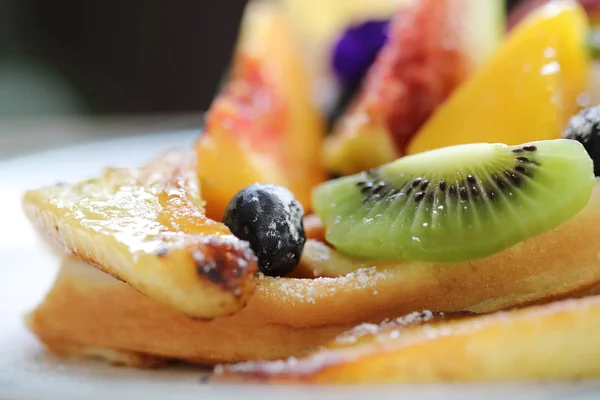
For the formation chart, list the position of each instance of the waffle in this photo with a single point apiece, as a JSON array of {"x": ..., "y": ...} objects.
[
  {"x": 551, "y": 341},
  {"x": 155, "y": 308}
]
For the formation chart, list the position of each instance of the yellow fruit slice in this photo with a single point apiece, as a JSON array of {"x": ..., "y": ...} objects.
[
  {"x": 263, "y": 126},
  {"x": 146, "y": 226},
  {"x": 432, "y": 46},
  {"x": 526, "y": 92}
]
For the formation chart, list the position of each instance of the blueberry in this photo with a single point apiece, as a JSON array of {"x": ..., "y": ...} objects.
[
  {"x": 585, "y": 128},
  {"x": 270, "y": 219}
]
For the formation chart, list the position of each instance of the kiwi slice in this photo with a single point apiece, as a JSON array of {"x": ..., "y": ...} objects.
[{"x": 456, "y": 203}]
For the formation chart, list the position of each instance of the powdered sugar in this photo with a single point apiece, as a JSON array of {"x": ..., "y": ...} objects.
[
  {"x": 311, "y": 290},
  {"x": 291, "y": 365},
  {"x": 395, "y": 325}
]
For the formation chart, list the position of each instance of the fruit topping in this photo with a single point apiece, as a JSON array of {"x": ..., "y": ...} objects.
[
  {"x": 146, "y": 227},
  {"x": 356, "y": 49},
  {"x": 263, "y": 120},
  {"x": 431, "y": 48},
  {"x": 313, "y": 227},
  {"x": 270, "y": 219},
  {"x": 526, "y": 92},
  {"x": 352, "y": 55},
  {"x": 585, "y": 128},
  {"x": 525, "y": 7},
  {"x": 457, "y": 203},
  {"x": 320, "y": 22}
]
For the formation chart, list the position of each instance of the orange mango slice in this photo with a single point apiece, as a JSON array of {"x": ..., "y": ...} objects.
[{"x": 526, "y": 92}]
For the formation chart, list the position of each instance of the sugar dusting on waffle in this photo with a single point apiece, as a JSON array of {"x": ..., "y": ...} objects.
[{"x": 317, "y": 288}]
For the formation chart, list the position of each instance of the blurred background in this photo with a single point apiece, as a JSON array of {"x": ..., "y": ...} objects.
[
  {"x": 112, "y": 56},
  {"x": 64, "y": 60},
  {"x": 111, "y": 67}
]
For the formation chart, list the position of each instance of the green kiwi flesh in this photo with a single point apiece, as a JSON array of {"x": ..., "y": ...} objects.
[{"x": 456, "y": 203}]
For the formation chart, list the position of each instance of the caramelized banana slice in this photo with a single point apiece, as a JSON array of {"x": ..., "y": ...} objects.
[
  {"x": 554, "y": 341},
  {"x": 147, "y": 228}
]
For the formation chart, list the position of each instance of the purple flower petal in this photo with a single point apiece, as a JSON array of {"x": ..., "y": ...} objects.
[{"x": 356, "y": 50}]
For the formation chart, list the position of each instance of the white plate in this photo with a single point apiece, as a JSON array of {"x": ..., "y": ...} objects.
[{"x": 28, "y": 372}]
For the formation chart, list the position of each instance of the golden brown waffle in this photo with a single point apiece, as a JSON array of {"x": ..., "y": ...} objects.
[
  {"x": 147, "y": 317},
  {"x": 552, "y": 341}
]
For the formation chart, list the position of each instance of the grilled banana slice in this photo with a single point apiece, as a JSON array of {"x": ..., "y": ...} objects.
[
  {"x": 147, "y": 227},
  {"x": 554, "y": 341}
]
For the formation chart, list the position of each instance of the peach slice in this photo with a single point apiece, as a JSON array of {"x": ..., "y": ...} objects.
[
  {"x": 526, "y": 92},
  {"x": 262, "y": 127}
]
